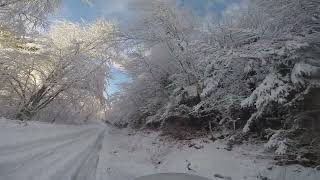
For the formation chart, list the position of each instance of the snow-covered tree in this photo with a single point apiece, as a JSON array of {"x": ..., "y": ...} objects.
[
  {"x": 162, "y": 23},
  {"x": 23, "y": 15},
  {"x": 69, "y": 56}
]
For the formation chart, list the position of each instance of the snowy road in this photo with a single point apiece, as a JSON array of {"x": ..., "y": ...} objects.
[{"x": 42, "y": 151}]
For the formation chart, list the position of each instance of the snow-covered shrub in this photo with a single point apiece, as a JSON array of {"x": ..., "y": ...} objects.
[
  {"x": 274, "y": 89},
  {"x": 302, "y": 72},
  {"x": 279, "y": 143}
]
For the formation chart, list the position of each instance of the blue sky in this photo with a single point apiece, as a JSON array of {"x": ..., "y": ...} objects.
[
  {"x": 74, "y": 10},
  {"x": 118, "y": 77}
]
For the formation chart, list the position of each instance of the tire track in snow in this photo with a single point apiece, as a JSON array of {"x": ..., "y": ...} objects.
[
  {"x": 84, "y": 165},
  {"x": 29, "y": 157},
  {"x": 84, "y": 172},
  {"x": 36, "y": 143},
  {"x": 70, "y": 154}
]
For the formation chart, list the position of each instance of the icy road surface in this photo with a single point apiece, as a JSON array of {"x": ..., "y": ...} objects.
[{"x": 40, "y": 151}]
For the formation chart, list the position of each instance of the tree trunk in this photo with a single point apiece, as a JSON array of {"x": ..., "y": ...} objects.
[
  {"x": 30, "y": 108},
  {"x": 25, "y": 114}
]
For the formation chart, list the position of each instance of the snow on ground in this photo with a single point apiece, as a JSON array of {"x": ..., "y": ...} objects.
[
  {"x": 40, "y": 151},
  {"x": 126, "y": 157}
]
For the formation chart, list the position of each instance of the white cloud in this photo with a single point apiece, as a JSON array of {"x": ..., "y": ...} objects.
[
  {"x": 113, "y": 7},
  {"x": 236, "y": 6}
]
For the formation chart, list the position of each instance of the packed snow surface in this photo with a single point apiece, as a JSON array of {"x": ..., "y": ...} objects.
[{"x": 39, "y": 151}]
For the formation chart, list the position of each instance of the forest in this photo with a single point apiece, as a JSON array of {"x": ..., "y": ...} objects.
[{"x": 251, "y": 73}]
